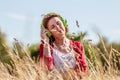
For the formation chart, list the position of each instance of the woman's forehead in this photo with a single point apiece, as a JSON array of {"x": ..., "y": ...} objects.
[{"x": 54, "y": 19}]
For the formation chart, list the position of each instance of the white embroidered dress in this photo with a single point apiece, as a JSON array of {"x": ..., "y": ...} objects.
[{"x": 64, "y": 62}]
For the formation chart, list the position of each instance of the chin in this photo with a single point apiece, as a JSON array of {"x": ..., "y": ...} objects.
[{"x": 60, "y": 35}]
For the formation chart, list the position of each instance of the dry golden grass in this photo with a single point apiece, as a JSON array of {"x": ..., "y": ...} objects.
[{"x": 24, "y": 68}]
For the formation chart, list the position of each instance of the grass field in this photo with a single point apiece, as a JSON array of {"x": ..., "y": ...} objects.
[{"x": 18, "y": 65}]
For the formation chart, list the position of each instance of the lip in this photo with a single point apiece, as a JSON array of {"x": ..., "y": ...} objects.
[{"x": 60, "y": 31}]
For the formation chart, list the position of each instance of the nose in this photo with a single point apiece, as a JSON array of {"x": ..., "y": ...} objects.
[{"x": 57, "y": 27}]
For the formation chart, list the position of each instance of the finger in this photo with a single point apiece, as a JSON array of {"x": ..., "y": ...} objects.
[{"x": 43, "y": 31}]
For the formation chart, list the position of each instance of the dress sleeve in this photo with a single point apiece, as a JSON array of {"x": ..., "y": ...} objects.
[
  {"x": 83, "y": 62},
  {"x": 48, "y": 60},
  {"x": 80, "y": 57}
]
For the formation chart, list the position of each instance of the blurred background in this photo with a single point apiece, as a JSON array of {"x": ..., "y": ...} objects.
[
  {"x": 21, "y": 19},
  {"x": 94, "y": 23}
]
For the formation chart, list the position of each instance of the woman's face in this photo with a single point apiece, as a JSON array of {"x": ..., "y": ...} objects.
[{"x": 56, "y": 27}]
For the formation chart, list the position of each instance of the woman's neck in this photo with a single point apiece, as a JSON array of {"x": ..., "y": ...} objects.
[
  {"x": 63, "y": 45},
  {"x": 61, "y": 41}
]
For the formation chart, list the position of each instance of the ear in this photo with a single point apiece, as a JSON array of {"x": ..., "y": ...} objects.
[{"x": 66, "y": 30}]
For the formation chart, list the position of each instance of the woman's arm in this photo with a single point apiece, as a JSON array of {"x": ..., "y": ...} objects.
[{"x": 45, "y": 55}]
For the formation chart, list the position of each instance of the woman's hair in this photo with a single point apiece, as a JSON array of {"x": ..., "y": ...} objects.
[{"x": 48, "y": 16}]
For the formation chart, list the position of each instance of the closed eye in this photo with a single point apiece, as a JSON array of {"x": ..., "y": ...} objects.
[
  {"x": 58, "y": 23},
  {"x": 52, "y": 27}
]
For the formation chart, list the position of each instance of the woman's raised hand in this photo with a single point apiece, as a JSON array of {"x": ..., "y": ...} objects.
[{"x": 44, "y": 36}]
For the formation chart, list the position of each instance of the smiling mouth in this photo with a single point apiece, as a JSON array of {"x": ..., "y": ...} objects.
[{"x": 60, "y": 31}]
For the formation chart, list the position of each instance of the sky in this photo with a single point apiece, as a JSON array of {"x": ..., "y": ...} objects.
[{"x": 21, "y": 19}]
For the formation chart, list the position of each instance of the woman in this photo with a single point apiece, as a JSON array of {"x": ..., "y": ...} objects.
[{"x": 56, "y": 49}]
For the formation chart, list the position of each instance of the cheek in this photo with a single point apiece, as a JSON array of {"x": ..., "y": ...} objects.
[
  {"x": 62, "y": 27},
  {"x": 53, "y": 32}
]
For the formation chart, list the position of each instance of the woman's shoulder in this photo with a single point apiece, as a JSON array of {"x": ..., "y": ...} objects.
[
  {"x": 77, "y": 43},
  {"x": 77, "y": 46}
]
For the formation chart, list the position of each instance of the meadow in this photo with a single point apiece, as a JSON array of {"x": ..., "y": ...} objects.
[{"x": 16, "y": 63}]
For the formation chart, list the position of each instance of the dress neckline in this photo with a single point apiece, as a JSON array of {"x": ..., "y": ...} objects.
[{"x": 70, "y": 46}]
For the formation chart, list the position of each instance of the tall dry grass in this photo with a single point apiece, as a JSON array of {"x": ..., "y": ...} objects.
[{"x": 23, "y": 67}]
